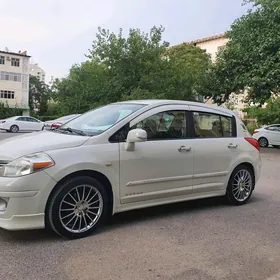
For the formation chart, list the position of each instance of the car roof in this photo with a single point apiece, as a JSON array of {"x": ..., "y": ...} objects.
[{"x": 159, "y": 102}]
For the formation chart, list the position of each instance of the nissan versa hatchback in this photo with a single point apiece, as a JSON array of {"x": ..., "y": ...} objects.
[{"x": 124, "y": 156}]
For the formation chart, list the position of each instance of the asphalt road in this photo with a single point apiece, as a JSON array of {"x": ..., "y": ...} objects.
[{"x": 202, "y": 240}]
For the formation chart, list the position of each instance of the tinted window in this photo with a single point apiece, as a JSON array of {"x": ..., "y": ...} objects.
[
  {"x": 273, "y": 128},
  {"x": 31, "y": 119},
  {"x": 207, "y": 125},
  {"x": 165, "y": 125},
  {"x": 21, "y": 119}
]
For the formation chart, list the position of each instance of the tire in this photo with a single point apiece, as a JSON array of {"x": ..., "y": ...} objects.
[
  {"x": 62, "y": 222},
  {"x": 14, "y": 128},
  {"x": 234, "y": 191},
  {"x": 276, "y": 146},
  {"x": 263, "y": 142}
]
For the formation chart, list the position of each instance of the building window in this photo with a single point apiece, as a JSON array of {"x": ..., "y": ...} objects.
[
  {"x": 7, "y": 94},
  {"x": 15, "y": 62},
  {"x": 2, "y": 59},
  {"x": 10, "y": 76}
]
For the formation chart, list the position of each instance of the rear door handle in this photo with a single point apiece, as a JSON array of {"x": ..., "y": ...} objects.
[
  {"x": 184, "y": 149},
  {"x": 232, "y": 146}
]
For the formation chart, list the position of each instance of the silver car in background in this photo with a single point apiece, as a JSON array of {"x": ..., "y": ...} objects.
[{"x": 53, "y": 124}]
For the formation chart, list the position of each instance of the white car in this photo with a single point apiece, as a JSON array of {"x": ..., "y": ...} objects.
[
  {"x": 158, "y": 152},
  {"x": 21, "y": 123},
  {"x": 268, "y": 135},
  {"x": 60, "y": 121}
]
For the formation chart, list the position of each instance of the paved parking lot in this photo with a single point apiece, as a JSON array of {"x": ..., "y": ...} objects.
[{"x": 202, "y": 240}]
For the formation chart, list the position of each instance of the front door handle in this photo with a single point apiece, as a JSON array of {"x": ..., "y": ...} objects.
[
  {"x": 184, "y": 149},
  {"x": 232, "y": 146}
]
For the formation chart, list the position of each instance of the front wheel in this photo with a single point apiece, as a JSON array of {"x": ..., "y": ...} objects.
[
  {"x": 77, "y": 207},
  {"x": 240, "y": 185}
]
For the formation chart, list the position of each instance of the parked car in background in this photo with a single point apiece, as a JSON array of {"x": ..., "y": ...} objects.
[
  {"x": 125, "y": 156},
  {"x": 21, "y": 123},
  {"x": 60, "y": 121},
  {"x": 268, "y": 135}
]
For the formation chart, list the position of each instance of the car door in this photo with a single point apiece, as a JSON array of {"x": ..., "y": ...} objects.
[
  {"x": 161, "y": 167},
  {"x": 272, "y": 133},
  {"x": 22, "y": 123},
  {"x": 34, "y": 124},
  {"x": 215, "y": 147}
]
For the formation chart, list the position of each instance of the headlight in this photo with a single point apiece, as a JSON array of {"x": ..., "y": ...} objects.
[{"x": 26, "y": 165}]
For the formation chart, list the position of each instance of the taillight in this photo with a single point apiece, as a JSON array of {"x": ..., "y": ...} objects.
[
  {"x": 3, "y": 121},
  {"x": 255, "y": 131},
  {"x": 253, "y": 142}
]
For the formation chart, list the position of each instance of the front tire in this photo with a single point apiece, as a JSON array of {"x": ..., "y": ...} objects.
[
  {"x": 263, "y": 142},
  {"x": 77, "y": 207},
  {"x": 240, "y": 186}
]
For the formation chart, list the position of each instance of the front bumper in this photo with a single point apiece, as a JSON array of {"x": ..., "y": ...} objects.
[{"x": 23, "y": 201}]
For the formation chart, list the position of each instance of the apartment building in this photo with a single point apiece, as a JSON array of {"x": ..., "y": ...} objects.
[
  {"x": 14, "y": 79},
  {"x": 212, "y": 45},
  {"x": 37, "y": 71}
]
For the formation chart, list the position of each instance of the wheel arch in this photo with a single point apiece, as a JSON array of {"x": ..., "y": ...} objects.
[
  {"x": 90, "y": 173},
  {"x": 249, "y": 166}
]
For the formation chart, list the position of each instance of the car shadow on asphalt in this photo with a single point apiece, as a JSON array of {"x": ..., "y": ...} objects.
[{"x": 127, "y": 218}]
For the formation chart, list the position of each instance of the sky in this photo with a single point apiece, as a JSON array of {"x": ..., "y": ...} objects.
[{"x": 58, "y": 33}]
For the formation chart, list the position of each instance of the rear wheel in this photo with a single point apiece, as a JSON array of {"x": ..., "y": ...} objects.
[
  {"x": 240, "y": 185},
  {"x": 77, "y": 207},
  {"x": 14, "y": 128},
  {"x": 263, "y": 142}
]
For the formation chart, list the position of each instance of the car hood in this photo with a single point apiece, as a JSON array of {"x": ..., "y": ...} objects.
[{"x": 21, "y": 145}]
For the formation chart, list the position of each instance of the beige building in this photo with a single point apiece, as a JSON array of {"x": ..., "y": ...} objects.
[
  {"x": 14, "y": 79},
  {"x": 37, "y": 71},
  {"x": 212, "y": 45}
]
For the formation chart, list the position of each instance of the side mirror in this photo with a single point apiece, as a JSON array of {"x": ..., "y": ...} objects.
[{"x": 133, "y": 136}]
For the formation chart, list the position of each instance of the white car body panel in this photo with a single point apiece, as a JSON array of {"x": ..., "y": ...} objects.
[
  {"x": 270, "y": 132},
  {"x": 154, "y": 173},
  {"x": 24, "y": 123}
]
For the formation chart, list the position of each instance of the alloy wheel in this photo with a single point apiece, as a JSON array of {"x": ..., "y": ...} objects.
[
  {"x": 81, "y": 208},
  {"x": 242, "y": 185}
]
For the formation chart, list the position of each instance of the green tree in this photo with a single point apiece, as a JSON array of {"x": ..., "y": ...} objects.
[
  {"x": 268, "y": 115},
  {"x": 6, "y": 111},
  {"x": 251, "y": 59},
  {"x": 134, "y": 67},
  {"x": 39, "y": 95}
]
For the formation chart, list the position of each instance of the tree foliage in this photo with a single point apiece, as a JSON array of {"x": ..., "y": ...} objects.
[
  {"x": 6, "y": 111},
  {"x": 251, "y": 59},
  {"x": 268, "y": 115},
  {"x": 39, "y": 95},
  {"x": 139, "y": 66}
]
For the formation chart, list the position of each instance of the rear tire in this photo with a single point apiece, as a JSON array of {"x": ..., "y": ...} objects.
[
  {"x": 263, "y": 142},
  {"x": 14, "y": 128},
  {"x": 240, "y": 186},
  {"x": 77, "y": 207}
]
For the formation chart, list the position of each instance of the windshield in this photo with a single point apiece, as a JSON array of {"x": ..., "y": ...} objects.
[
  {"x": 98, "y": 120},
  {"x": 65, "y": 118}
]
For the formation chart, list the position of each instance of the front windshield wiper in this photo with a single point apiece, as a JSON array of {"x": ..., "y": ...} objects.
[{"x": 72, "y": 130}]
